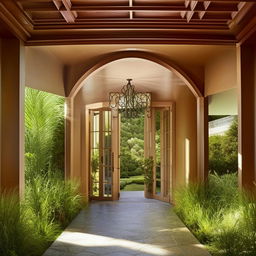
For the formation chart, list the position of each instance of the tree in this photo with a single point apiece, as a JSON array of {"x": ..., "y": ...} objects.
[
  {"x": 132, "y": 146},
  {"x": 223, "y": 151}
]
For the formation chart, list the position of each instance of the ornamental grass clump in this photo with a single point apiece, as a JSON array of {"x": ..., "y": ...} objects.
[
  {"x": 53, "y": 200},
  {"x": 220, "y": 216},
  {"x": 44, "y": 133},
  {"x": 30, "y": 225},
  {"x": 18, "y": 237}
]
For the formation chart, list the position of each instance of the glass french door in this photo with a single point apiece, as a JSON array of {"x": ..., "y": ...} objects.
[
  {"x": 104, "y": 154},
  {"x": 158, "y": 144}
]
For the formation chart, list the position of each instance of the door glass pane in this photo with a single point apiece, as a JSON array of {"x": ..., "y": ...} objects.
[
  {"x": 107, "y": 153},
  {"x": 100, "y": 154},
  {"x": 107, "y": 181},
  {"x": 107, "y": 157},
  {"x": 166, "y": 152},
  {"x": 107, "y": 120},
  {"x": 95, "y": 139},
  {"x": 96, "y": 121},
  {"x": 95, "y": 153},
  {"x": 107, "y": 140},
  {"x": 95, "y": 171},
  {"x": 158, "y": 151},
  {"x": 96, "y": 189}
]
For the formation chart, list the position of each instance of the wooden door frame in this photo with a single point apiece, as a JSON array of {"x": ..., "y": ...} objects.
[
  {"x": 116, "y": 186},
  {"x": 115, "y": 175},
  {"x": 150, "y": 150}
]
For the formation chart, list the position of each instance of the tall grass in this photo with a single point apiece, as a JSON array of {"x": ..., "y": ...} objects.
[
  {"x": 28, "y": 227},
  {"x": 17, "y": 234},
  {"x": 219, "y": 215},
  {"x": 51, "y": 199},
  {"x": 44, "y": 132}
]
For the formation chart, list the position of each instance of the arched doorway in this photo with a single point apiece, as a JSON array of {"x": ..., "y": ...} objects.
[{"x": 101, "y": 89}]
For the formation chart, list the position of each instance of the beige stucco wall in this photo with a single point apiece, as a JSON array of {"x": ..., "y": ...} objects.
[
  {"x": 44, "y": 71},
  {"x": 77, "y": 136},
  {"x": 186, "y": 127},
  {"x": 57, "y": 69},
  {"x": 221, "y": 72}
]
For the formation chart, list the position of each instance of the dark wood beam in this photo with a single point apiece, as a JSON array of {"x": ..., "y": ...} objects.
[
  {"x": 168, "y": 8},
  {"x": 64, "y": 7},
  {"x": 110, "y": 25},
  {"x": 19, "y": 25},
  {"x": 172, "y": 39},
  {"x": 97, "y": 23},
  {"x": 102, "y": 2}
]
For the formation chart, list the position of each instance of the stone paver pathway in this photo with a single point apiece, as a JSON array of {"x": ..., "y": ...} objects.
[{"x": 131, "y": 226}]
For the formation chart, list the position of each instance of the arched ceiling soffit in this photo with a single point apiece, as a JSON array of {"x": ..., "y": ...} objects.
[
  {"x": 147, "y": 76},
  {"x": 166, "y": 63}
]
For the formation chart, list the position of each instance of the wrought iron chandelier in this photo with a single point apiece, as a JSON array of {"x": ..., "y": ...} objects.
[{"x": 129, "y": 102}]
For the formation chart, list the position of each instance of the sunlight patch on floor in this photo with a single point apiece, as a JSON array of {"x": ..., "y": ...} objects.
[{"x": 91, "y": 240}]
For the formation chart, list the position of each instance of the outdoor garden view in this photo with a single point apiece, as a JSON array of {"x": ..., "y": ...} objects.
[{"x": 133, "y": 163}]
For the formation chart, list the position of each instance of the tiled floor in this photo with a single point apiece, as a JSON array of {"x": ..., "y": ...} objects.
[{"x": 131, "y": 226}]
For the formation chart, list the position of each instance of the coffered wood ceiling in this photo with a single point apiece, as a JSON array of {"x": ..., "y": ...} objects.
[{"x": 130, "y": 21}]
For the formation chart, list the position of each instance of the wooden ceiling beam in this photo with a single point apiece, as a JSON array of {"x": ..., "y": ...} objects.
[
  {"x": 19, "y": 25},
  {"x": 130, "y": 9},
  {"x": 166, "y": 25},
  {"x": 47, "y": 1},
  {"x": 98, "y": 21},
  {"x": 135, "y": 20},
  {"x": 239, "y": 7},
  {"x": 67, "y": 13},
  {"x": 206, "y": 6},
  {"x": 190, "y": 14},
  {"x": 168, "y": 8},
  {"x": 141, "y": 37}
]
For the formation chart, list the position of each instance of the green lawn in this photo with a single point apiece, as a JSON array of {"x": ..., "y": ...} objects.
[
  {"x": 139, "y": 180},
  {"x": 133, "y": 178},
  {"x": 134, "y": 183},
  {"x": 134, "y": 187}
]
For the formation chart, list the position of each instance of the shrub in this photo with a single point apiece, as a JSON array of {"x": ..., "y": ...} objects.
[
  {"x": 17, "y": 234},
  {"x": 223, "y": 151},
  {"x": 148, "y": 166},
  {"x": 53, "y": 201},
  {"x": 220, "y": 216},
  {"x": 44, "y": 133},
  {"x": 131, "y": 180},
  {"x": 27, "y": 227},
  {"x": 132, "y": 146}
]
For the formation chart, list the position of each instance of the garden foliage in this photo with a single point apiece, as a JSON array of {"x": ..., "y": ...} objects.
[
  {"x": 27, "y": 227},
  {"x": 132, "y": 146},
  {"x": 223, "y": 151},
  {"x": 131, "y": 180},
  {"x": 44, "y": 133},
  {"x": 219, "y": 215}
]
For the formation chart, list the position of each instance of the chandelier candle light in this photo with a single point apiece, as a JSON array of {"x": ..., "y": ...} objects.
[{"x": 129, "y": 102}]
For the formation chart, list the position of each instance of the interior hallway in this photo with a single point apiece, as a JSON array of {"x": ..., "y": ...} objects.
[{"x": 131, "y": 226}]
